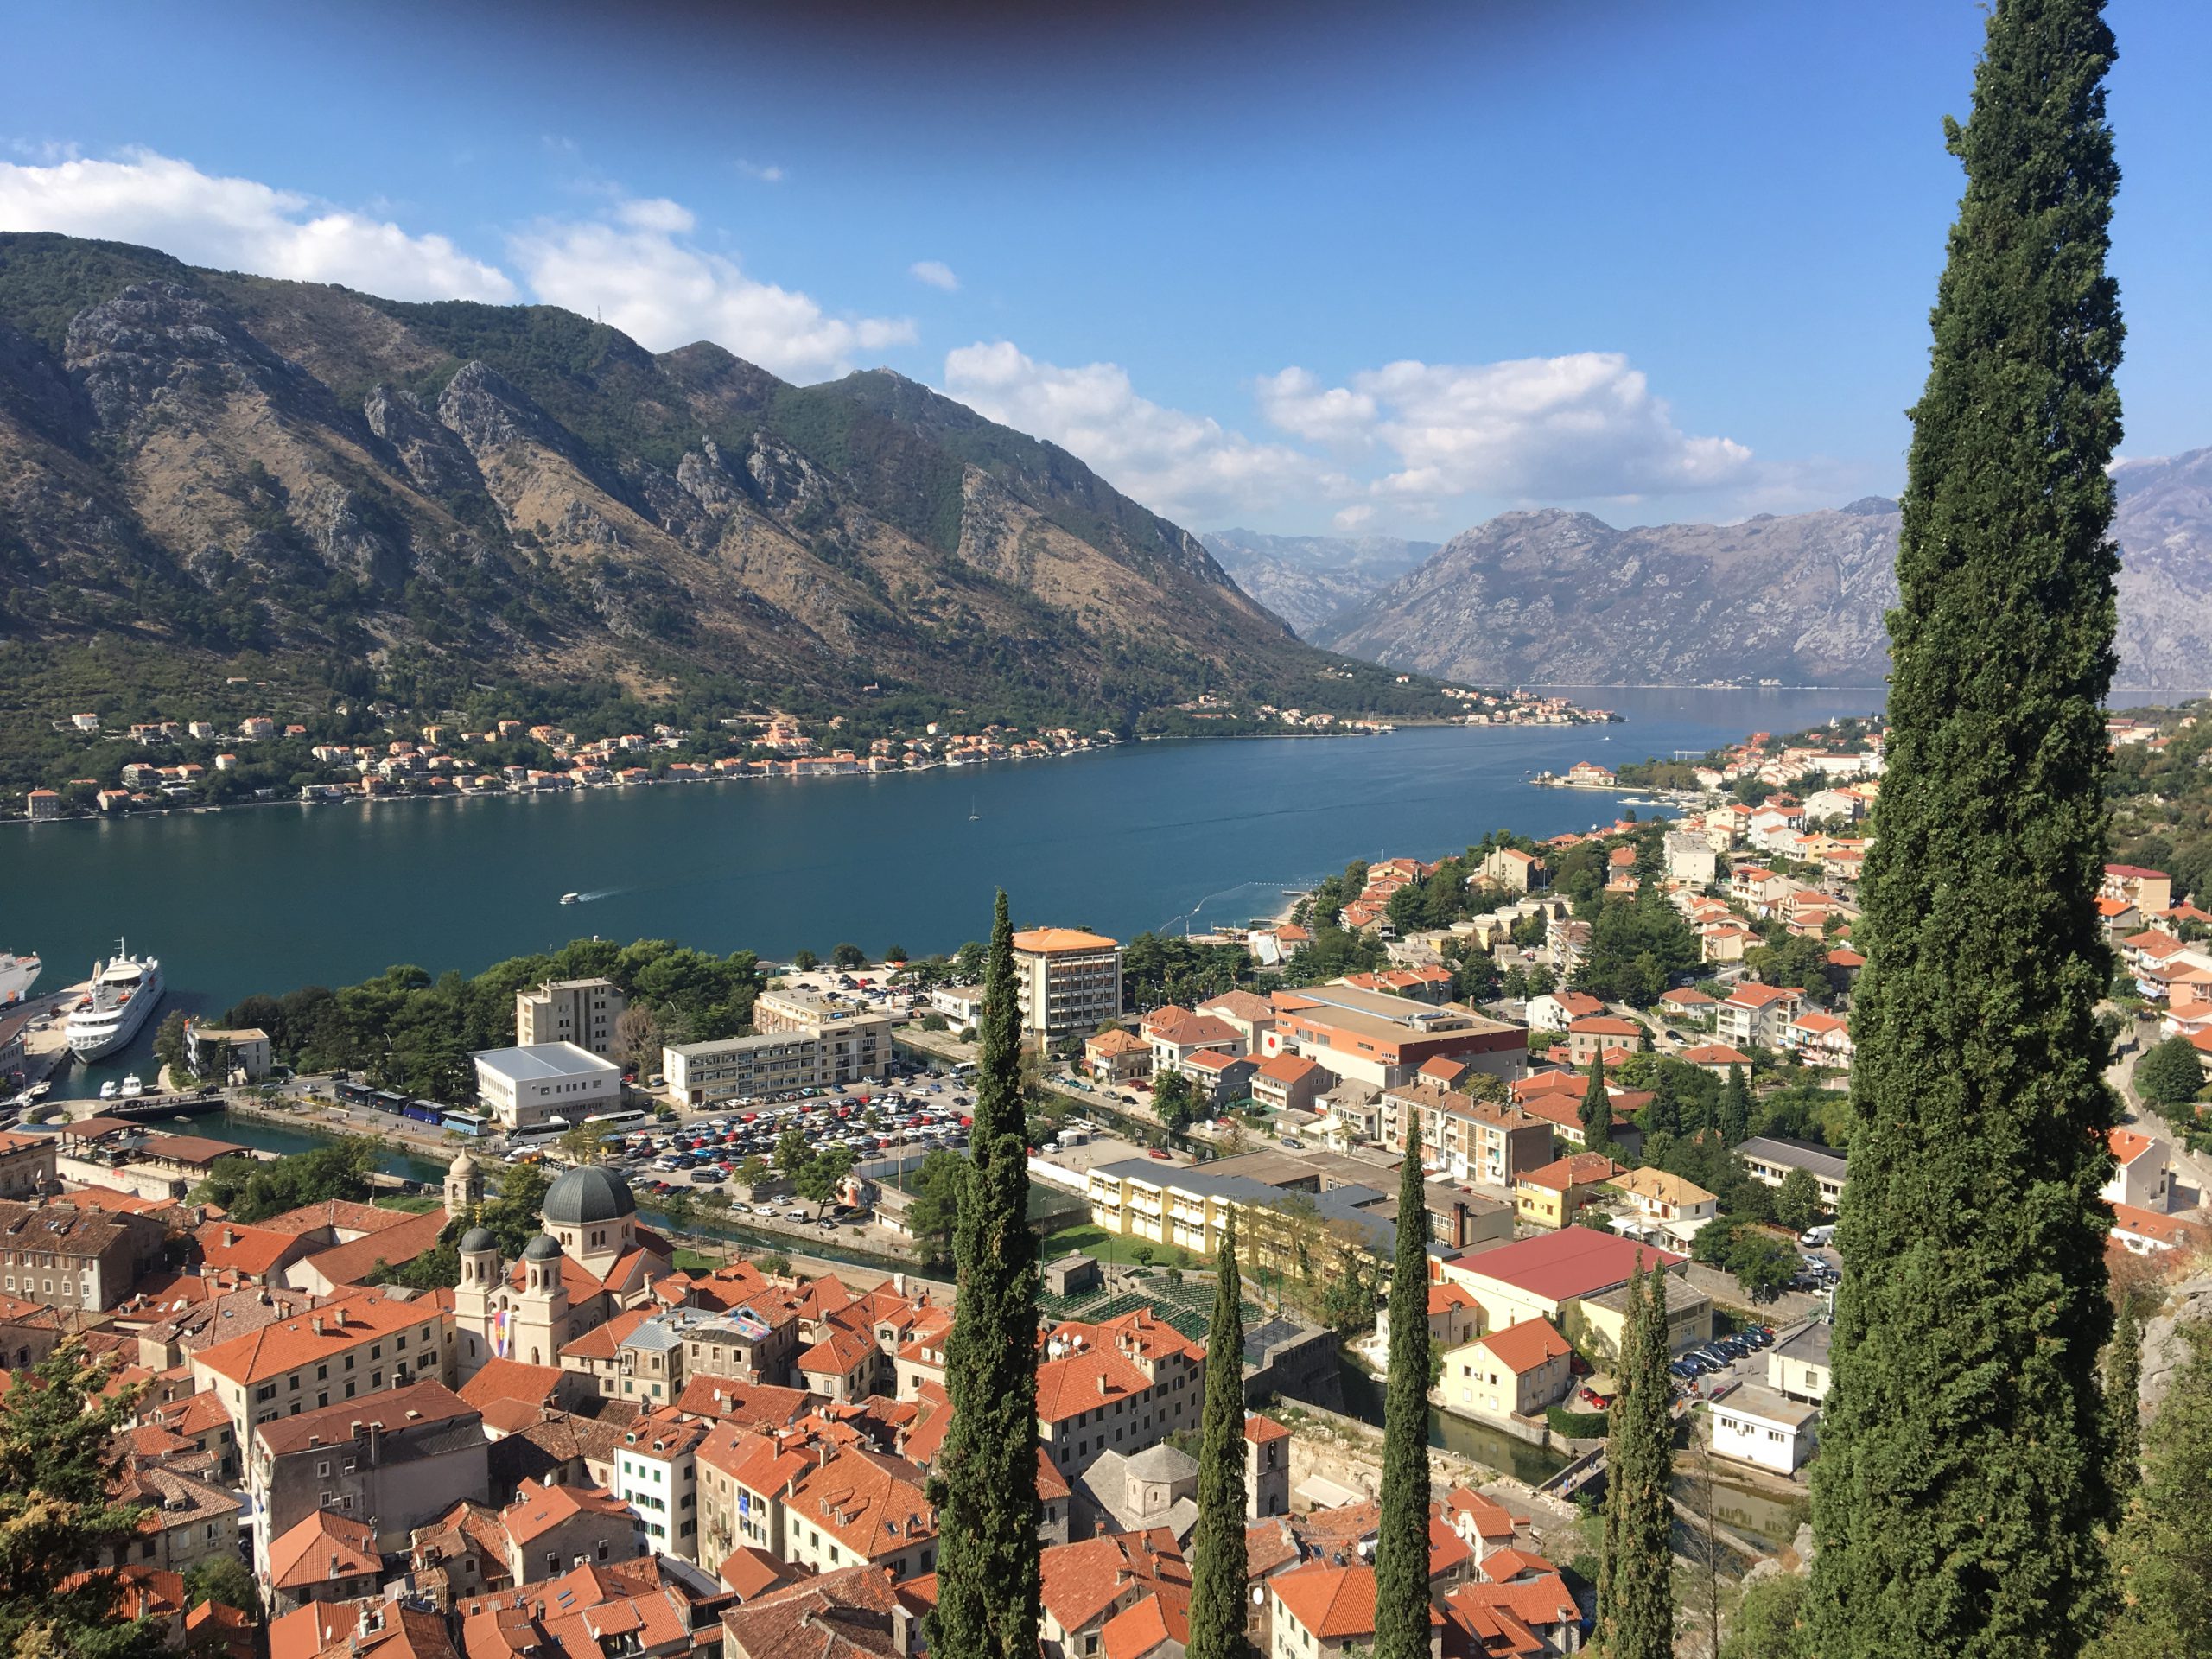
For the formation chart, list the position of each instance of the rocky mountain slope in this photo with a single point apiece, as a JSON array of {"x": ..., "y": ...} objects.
[
  {"x": 1306, "y": 580},
  {"x": 1559, "y": 598},
  {"x": 193, "y": 459}
]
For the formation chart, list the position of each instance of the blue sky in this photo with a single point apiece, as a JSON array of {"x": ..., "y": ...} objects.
[{"x": 1390, "y": 268}]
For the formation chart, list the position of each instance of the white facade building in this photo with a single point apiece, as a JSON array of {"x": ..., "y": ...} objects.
[{"x": 526, "y": 1088}]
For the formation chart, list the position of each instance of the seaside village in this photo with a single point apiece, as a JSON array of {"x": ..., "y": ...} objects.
[
  {"x": 583, "y": 1450},
  {"x": 148, "y": 765}
]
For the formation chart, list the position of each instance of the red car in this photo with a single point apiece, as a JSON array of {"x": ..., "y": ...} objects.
[{"x": 1156, "y": 1152}]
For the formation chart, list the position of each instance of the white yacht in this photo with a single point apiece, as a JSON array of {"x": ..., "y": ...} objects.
[
  {"x": 17, "y": 975},
  {"x": 123, "y": 993},
  {"x": 133, "y": 1086}
]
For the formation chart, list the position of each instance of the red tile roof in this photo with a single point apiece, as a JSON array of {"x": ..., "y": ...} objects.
[
  {"x": 1559, "y": 1266},
  {"x": 323, "y": 1547},
  {"x": 1522, "y": 1347}
]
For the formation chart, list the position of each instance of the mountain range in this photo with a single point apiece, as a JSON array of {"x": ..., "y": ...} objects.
[
  {"x": 197, "y": 460},
  {"x": 1551, "y": 597},
  {"x": 1306, "y": 580}
]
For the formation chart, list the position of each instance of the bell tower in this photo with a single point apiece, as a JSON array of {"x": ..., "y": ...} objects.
[
  {"x": 480, "y": 1282},
  {"x": 464, "y": 1185}
]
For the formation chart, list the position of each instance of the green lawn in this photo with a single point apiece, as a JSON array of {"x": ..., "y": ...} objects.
[
  {"x": 686, "y": 1260},
  {"x": 1095, "y": 1241},
  {"x": 415, "y": 1202}
]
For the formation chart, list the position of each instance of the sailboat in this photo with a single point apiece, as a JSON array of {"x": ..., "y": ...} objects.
[{"x": 972, "y": 813}]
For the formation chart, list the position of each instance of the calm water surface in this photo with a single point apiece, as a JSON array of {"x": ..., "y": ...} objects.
[{"x": 1146, "y": 835}]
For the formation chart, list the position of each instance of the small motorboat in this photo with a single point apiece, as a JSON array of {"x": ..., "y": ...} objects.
[
  {"x": 107, "y": 1089},
  {"x": 572, "y": 897},
  {"x": 133, "y": 1086},
  {"x": 39, "y": 1090}
]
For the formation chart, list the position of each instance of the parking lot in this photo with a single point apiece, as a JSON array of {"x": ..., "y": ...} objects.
[{"x": 702, "y": 1153}]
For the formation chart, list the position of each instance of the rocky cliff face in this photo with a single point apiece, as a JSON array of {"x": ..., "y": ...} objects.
[
  {"x": 207, "y": 460},
  {"x": 1564, "y": 599}
]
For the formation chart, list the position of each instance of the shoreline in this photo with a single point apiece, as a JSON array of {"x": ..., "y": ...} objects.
[{"x": 355, "y": 797}]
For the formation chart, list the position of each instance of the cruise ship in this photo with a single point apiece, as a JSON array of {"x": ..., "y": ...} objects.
[
  {"x": 17, "y": 974},
  {"x": 124, "y": 992}
]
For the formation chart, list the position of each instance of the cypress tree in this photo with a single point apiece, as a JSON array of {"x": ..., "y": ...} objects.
[
  {"x": 2123, "y": 1409},
  {"x": 1734, "y": 1118},
  {"x": 1217, "y": 1554},
  {"x": 985, "y": 1490},
  {"x": 1636, "y": 1592},
  {"x": 1597, "y": 1110},
  {"x": 1960, "y": 1487},
  {"x": 1402, "y": 1537},
  {"x": 2164, "y": 1551}
]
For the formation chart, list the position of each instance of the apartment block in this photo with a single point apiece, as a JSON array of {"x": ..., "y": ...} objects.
[
  {"x": 852, "y": 1041},
  {"x": 1067, "y": 981},
  {"x": 579, "y": 1011},
  {"x": 1472, "y": 1140}
]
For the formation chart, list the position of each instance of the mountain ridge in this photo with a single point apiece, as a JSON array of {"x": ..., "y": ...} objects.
[
  {"x": 201, "y": 460},
  {"x": 1559, "y": 597}
]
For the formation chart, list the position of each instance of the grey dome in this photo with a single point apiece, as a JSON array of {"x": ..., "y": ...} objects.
[
  {"x": 586, "y": 1195},
  {"x": 477, "y": 1238},
  {"x": 543, "y": 1248}
]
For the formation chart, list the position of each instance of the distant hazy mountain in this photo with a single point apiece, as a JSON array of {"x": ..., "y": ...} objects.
[
  {"x": 1550, "y": 597},
  {"x": 1306, "y": 580},
  {"x": 2164, "y": 531}
]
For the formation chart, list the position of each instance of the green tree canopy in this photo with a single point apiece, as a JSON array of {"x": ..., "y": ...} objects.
[
  {"x": 2168, "y": 1074},
  {"x": 60, "y": 1452}
]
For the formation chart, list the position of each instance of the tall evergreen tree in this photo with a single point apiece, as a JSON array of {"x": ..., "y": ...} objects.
[
  {"x": 1635, "y": 1592},
  {"x": 1960, "y": 1489},
  {"x": 1733, "y": 1117},
  {"x": 1217, "y": 1554},
  {"x": 1597, "y": 1110},
  {"x": 2123, "y": 1407},
  {"x": 985, "y": 1490},
  {"x": 2164, "y": 1550},
  {"x": 1402, "y": 1537}
]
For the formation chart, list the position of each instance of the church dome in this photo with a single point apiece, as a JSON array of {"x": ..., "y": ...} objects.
[
  {"x": 477, "y": 1238},
  {"x": 462, "y": 1164},
  {"x": 543, "y": 1248},
  {"x": 588, "y": 1194}
]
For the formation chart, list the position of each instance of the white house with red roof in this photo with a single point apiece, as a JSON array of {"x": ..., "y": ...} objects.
[
  {"x": 2141, "y": 1175},
  {"x": 1518, "y": 1371},
  {"x": 1753, "y": 1015},
  {"x": 1557, "y": 1010}
]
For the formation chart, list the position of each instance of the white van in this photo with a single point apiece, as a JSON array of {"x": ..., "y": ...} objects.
[{"x": 1816, "y": 1236}]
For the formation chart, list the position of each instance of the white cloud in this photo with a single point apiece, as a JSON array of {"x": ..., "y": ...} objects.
[
  {"x": 1579, "y": 428},
  {"x": 1185, "y": 466},
  {"x": 936, "y": 273},
  {"x": 642, "y": 276},
  {"x": 239, "y": 225},
  {"x": 761, "y": 171},
  {"x": 1353, "y": 516},
  {"x": 1296, "y": 401}
]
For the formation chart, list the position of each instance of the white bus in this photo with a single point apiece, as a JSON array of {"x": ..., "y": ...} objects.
[{"x": 614, "y": 1120}]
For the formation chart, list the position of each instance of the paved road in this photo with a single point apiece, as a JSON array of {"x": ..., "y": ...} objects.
[{"x": 2192, "y": 1171}]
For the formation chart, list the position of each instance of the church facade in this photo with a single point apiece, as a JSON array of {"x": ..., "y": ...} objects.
[{"x": 592, "y": 1261}]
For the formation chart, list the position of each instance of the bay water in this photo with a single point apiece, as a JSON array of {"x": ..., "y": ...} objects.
[{"x": 1160, "y": 836}]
